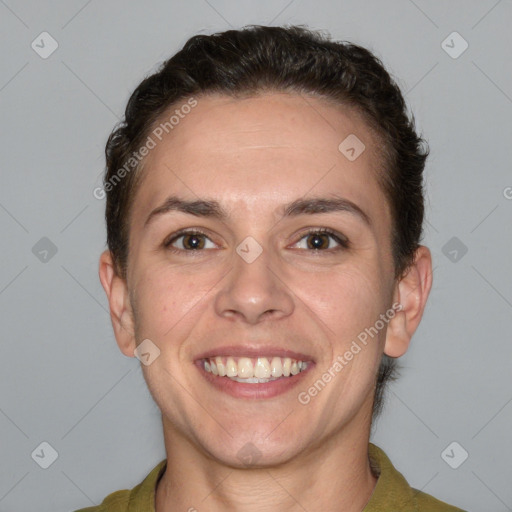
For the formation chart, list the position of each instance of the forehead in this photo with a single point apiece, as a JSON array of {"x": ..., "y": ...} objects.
[
  {"x": 225, "y": 124},
  {"x": 261, "y": 151}
]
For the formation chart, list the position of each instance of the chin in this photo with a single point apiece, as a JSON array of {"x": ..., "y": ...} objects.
[{"x": 253, "y": 451}]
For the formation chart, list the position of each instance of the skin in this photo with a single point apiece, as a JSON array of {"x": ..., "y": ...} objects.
[{"x": 253, "y": 156}]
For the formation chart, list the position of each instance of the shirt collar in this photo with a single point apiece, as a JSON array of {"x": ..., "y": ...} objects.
[{"x": 392, "y": 492}]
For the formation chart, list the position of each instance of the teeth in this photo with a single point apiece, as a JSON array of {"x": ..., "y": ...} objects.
[
  {"x": 286, "y": 366},
  {"x": 249, "y": 370},
  {"x": 277, "y": 367},
  {"x": 220, "y": 366},
  {"x": 245, "y": 368},
  {"x": 262, "y": 368},
  {"x": 231, "y": 367},
  {"x": 253, "y": 380}
]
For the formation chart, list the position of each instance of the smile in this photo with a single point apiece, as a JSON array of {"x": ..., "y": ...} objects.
[
  {"x": 249, "y": 377},
  {"x": 242, "y": 369}
]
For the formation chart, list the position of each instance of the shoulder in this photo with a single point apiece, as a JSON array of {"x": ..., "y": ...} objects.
[
  {"x": 115, "y": 502},
  {"x": 141, "y": 497},
  {"x": 392, "y": 491},
  {"x": 427, "y": 503}
]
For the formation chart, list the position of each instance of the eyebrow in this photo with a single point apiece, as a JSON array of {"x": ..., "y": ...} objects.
[{"x": 212, "y": 209}]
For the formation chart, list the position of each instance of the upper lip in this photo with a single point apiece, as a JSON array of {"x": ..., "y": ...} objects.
[{"x": 254, "y": 351}]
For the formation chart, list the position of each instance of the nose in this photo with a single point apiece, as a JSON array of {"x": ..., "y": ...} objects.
[{"x": 254, "y": 291}]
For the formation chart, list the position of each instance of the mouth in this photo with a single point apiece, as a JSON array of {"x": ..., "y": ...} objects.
[{"x": 250, "y": 375}]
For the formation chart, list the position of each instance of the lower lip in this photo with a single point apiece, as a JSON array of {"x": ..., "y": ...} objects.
[{"x": 262, "y": 390}]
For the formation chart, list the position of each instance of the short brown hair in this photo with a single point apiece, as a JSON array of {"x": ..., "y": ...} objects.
[{"x": 255, "y": 59}]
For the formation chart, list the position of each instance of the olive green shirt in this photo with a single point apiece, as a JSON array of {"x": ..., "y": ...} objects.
[{"x": 391, "y": 494}]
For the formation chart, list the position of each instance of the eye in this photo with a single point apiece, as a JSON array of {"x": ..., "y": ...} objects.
[
  {"x": 318, "y": 239},
  {"x": 188, "y": 240}
]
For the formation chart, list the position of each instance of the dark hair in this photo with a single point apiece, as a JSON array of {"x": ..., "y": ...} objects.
[{"x": 256, "y": 59}]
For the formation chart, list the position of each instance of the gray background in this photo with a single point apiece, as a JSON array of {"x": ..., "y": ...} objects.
[{"x": 65, "y": 382}]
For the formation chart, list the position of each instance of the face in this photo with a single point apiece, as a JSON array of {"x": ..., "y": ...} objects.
[{"x": 250, "y": 281}]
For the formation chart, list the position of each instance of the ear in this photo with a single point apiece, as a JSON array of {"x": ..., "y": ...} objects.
[
  {"x": 412, "y": 293},
  {"x": 120, "y": 308}
]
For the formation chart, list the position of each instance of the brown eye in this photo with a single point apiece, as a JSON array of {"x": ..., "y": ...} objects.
[
  {"x": 188, "y": 241},
  {"x": 320, "y": 239},
  {"x": 193, "y": 241}
]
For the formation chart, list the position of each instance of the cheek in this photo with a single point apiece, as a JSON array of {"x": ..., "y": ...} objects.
[
  {"x": 346, "y": 300},
  {"x": 165, "y": 299}
]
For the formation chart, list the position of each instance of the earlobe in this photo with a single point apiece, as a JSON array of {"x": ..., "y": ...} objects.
[
  {"x": 412, "y": 292},
  {"x": 119, "y": 301}
]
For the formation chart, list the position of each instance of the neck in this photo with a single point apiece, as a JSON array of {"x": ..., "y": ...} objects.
[{"x": 335, "y": 476}]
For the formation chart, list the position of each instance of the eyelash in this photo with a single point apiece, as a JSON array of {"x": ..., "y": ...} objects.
[{"x": 343, "y": 243}]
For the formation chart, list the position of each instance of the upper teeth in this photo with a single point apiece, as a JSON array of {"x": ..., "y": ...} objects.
[{"x": 247, "y": 368}]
